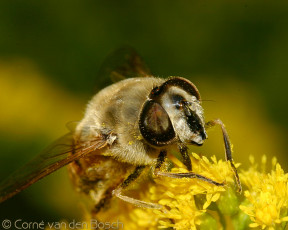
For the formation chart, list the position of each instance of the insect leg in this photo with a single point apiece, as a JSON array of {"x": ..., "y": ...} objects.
[
  {"x": 161, "y": 159},
  {"x": 188, "y": 175},
  {"x": 186, "y": 159},
  {"x": 132, "y": 177},
  {"x": 228, "y": 150}
]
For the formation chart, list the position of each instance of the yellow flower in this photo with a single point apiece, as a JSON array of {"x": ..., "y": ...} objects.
[
  {"x": 197, "y": 204},
  {"x": 267, "y": 195},
  {"x": 186, "y": 201}
]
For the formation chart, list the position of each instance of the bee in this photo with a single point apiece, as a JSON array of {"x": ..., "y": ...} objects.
[{"x": 128, "y": 126}]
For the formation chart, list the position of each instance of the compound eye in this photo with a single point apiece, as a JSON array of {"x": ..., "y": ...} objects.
[{"x": 155, "y": 124}]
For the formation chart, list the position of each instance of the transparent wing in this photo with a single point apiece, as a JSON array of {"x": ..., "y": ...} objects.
[
  {"x": 61, "y": 153},
  {"x": 121, "y": 64}
]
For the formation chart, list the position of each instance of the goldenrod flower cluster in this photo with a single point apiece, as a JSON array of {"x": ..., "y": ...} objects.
[
  {"x": 267, "y": 196},
  {"x": 197, "y": 204}
]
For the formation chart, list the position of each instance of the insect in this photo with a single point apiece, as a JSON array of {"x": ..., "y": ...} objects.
[{"x": 128, "y": 126}]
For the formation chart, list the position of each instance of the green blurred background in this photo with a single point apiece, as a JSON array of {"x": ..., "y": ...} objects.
[{"x": 236, "y": 52}]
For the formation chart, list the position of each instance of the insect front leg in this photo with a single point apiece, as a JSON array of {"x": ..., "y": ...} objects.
[
  {"x": 186, "y": 159},
  {"x": 132, "y": 177},
  {"x": 228, "y": 150},
  {"x": 161, "y": 159}
]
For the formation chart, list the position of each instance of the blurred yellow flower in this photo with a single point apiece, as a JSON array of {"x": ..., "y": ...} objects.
[{"x": 33, "y": 105}]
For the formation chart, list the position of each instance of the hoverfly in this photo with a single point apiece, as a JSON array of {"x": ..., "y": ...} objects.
[{"x": 128, "y": 126}]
